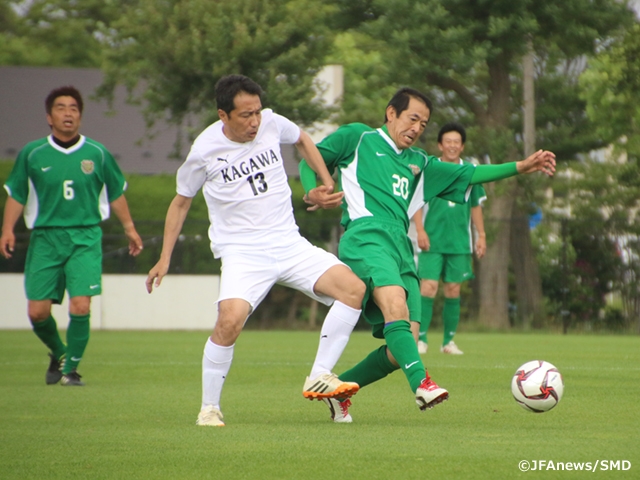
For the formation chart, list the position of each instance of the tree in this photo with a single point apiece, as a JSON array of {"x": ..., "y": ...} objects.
[
  {"x": 599, "y": 201},
  {"x": 467, "y": 53},
  {"x": 56, "y": 32},
  {"x": 611, "y": 88},
  {"x": 170, "y": 54}
]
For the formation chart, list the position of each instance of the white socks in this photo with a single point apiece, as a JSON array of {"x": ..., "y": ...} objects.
[
  {"x": 216, "y": 363},
  {"x": 334, "y": 336}
]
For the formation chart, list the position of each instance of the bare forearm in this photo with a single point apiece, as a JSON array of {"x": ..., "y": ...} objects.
[
  {"x": 176, "y": 215},
  {"x": 121, "y": 208},
  {"x": 417, "y": 219},
  {"x": 311, "y": 154},
  {"x": 478, "y": 220},
  {"x": 12, "y": 211}
]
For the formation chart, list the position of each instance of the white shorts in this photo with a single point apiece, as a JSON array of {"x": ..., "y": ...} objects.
[{"x": 250, "y": 275}]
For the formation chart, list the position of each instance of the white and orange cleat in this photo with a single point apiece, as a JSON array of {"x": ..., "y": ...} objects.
[
  {"x": 210, "y": 416},
  {"x": 328, "y": 385}
]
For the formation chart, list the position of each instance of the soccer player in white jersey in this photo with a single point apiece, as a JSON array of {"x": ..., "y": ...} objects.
[
  {"x": 238, "y": 164},
  {"x": 64, "y": 184}
]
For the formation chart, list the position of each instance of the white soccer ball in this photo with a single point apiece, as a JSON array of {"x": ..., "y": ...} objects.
[{"x": 537, "y": 386}]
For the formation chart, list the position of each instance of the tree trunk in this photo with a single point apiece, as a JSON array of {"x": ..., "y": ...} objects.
[
  {"x": 493, "y": 278},
  {"x": 525, "y": 268}
]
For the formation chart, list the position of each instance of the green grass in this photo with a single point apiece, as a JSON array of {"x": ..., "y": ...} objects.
[{"x": 135, "y": 418}]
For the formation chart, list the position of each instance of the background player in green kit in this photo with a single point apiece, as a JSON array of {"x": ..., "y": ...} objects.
[
  {"x": 64, "y": 184},
  {"x": 379, "y": 170},
  {"x": 444, "y": 236}
]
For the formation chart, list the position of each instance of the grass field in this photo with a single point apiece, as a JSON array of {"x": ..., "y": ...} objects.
[{"x": 135, "y": 418}]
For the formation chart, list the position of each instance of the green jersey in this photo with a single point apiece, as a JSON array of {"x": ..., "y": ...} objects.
[
  {"x": 65, "y": 187},
  {"x": 448, "y": 224},
  {"x": 379, "y": 179}
]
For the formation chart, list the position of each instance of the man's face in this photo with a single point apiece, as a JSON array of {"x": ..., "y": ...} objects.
[
  {"x": 451, "y": 147},
  {"x": 64, "y": 118},
  {"x": 242, "y": 123},
  {"x": 406, "y": 128}
]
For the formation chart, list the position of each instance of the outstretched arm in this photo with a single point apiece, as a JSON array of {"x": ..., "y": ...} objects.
[
  {"x": 121, "y": 208},
  {"x": 176, "y": 215},
  {"x": 541, "y": 161}
]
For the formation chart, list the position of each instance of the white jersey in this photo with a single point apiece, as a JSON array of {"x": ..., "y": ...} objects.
[{"x": 244, "y": 184}]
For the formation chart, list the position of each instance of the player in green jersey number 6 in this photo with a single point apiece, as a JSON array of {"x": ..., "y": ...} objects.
[
  {"x": 65, "y": 184},
  {"x": 445, "y": 240},
  {"x": 379, "y": 171}
]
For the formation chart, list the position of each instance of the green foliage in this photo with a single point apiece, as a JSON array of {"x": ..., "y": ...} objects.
[
  {"x": 56, "y": 32},
  {"x": 135, "y": 418},
  {"x": 598, "y": 201},
  {"x": 366, "y": 83},
  {"x": 467, "y": 55},
  {"x": 611, "y": 87},
  {"x": 180, "y": 48}
]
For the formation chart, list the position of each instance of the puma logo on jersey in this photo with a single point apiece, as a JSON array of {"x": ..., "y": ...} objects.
[
  {"x": 244, "y": 168},
  {"x": 223, "y": 160}
]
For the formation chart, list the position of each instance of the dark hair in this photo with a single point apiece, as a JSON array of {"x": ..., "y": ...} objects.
[
  {"x": 452, "y": 127},
  {"x": 228, "y": 87},
  {"x": 400, "y": 100},
  {"x": 67, "y": 91}
]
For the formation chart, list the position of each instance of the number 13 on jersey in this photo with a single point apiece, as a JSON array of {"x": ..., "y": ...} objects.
[{"x": 258, "y": 185}]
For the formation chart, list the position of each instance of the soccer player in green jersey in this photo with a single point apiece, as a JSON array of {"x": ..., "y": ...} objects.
[
  {"x": 444, "y": 236},
  {"x": 65, "y": 184},
  {"x": 379, "y": 170}
]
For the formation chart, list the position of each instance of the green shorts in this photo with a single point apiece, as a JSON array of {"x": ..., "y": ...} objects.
[
  {"x": 380, "y": 254},
  {"x": 63, "y": 258},
  {"x": 452, "y": 268}
]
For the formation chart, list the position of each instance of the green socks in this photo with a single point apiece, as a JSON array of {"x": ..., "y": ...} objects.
[
  {"x": 403, "y": 347},
  {"x": 47, "y": 332},
  {"x": 450, "y": 317},
  {"x": 425, "y": 317},
  {"x": 77, "y": 339},
  {"x": 377, "y": 365},
  {"x": 373, "y": 368}
]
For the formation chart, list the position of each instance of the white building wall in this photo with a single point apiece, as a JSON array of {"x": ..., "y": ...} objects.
[{"x": 182, "y": 302}]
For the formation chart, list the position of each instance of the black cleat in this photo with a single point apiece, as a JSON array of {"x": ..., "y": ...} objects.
[
  {"x": 54, "y": 374},
  {"x": 72, "y": 379}
]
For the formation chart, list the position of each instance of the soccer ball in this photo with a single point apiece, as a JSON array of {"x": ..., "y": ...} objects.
[{"x": 537, "y": 386}]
